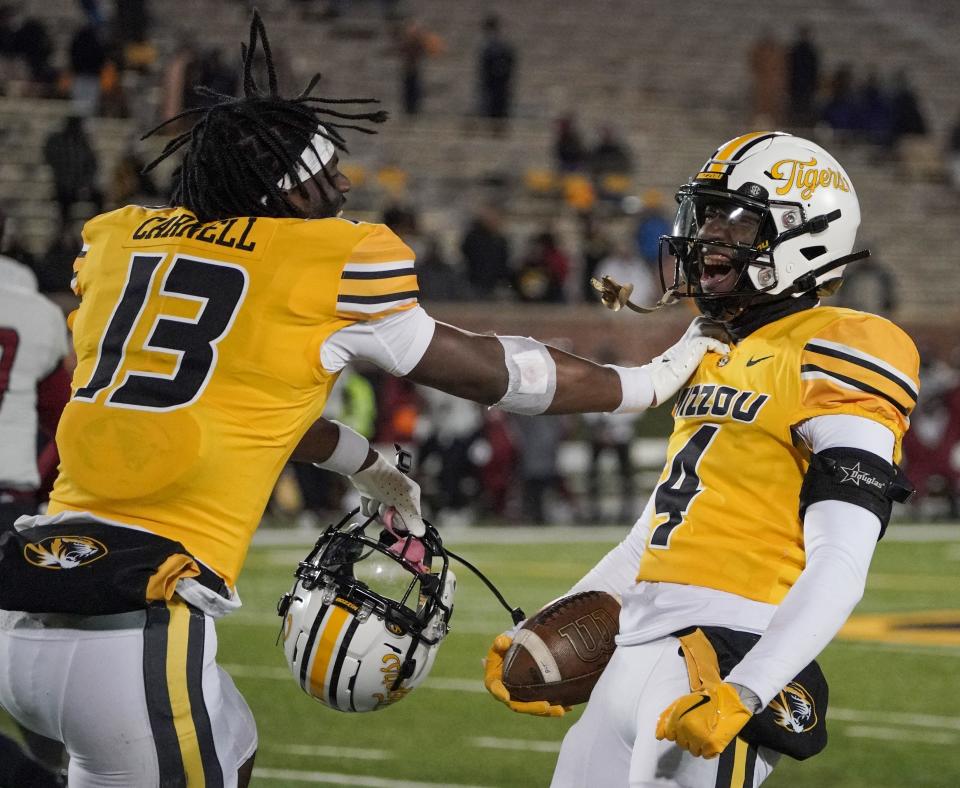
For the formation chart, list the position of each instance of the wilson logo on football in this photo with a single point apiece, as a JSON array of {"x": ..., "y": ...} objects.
[
  {"x": 794, "y": 709},
  {"x": 806, "y": 176},
  {"x": 64, "y": 552},
  {"x": 590, "y": 635}
]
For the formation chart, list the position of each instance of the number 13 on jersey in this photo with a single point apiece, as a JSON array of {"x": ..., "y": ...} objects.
[{"x": 217, "y": 287}]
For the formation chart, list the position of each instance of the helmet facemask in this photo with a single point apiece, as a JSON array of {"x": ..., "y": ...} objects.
[{"x": 720, "y": 251}]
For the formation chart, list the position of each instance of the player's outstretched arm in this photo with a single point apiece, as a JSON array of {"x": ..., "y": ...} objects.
[
  {"x": 522, "y": 375},
  {"x": 335, "y": 447}
]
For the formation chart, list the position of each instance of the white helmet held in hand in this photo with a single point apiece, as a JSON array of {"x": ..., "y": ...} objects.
[
  {"x": 366, "y": 616},
  {"x": 768, "y": 215}
]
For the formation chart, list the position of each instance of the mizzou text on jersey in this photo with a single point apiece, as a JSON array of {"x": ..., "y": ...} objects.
[{"x": 198, "y": 363}]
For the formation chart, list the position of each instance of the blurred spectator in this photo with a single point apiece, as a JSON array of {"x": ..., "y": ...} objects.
[
  {"x": 32, "y": 43},
  {"x": 768, "y": 71},
  {"x": 840, "y": 111},
  {"x": 498, "y": 473},
  {"x": 87, "y": 59},
  {"x": 495, "y": 68},
  {"x": 868, "y": 286},
  {"x": 932, "y": 446},
  {"x": 414, "y": 43},
  {"x": 627, "y": 268},
  {"x": 569, "y": 151},
  {"x": 54, "y": 269},
  {"x": 953, "y": 155},
  {"x": 595, "y": 246},
  {"x": 128, "y": 184},
  {"x": 131, "y": 22},
  {"x": 652, "y": 222},
  {"x": 908, "y": 119},
  {"x": 74, "y": 164},
  {"x": 175, "y": 81},
  {"x": 610, "y": 432},
  {"x": 543, "y": 271},
  {"x": 611, "y": 155},
  {"x": 486, "y": 253},
  {"x": 539, "y": 439},
  {"x": 213, "y": 72},
  {"x": 804, "y": 77},
  {"x": 874, "y": 110},
  {"x": 452, "y": 449},
  {"x": 437, "y": 278}
]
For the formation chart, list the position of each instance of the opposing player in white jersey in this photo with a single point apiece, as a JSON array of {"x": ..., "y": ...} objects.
[
  {"x": 34, "y": 387},
  {"x": 779, "y": 480}
]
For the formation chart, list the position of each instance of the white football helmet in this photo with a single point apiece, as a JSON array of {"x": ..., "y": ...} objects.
[
  {"x": 768, "y": 213},
  {"x": 366, "y": 616}
]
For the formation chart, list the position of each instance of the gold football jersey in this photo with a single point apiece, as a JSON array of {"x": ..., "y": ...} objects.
[
  {"x": 726, "y": 508},
  {"x": 198, "y": 363}
]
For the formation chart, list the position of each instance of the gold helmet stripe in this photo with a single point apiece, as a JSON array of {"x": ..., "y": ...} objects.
[
  {"x": 336, "y": 619},
  {"x": 723, "y": 156}
]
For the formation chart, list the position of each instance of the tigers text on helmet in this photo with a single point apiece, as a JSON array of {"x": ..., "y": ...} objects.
[
  {"x": 769, "y": 216},
  {"x": 366, "y": 616}
]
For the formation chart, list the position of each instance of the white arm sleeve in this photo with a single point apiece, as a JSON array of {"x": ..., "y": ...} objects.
[
  {"x": 617, "y": 570},
  {"x": 395, "y": 343},
  {"x": 839, "y": 539}
]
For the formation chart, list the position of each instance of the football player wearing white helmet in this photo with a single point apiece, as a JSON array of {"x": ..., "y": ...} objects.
[
  {"x": 209, "y": 335},
  {"x": 779, "y": 479}
]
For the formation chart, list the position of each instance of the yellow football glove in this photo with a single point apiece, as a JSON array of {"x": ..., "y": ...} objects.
[
  {"x": 493, "y": 681},
  {"x": 706, "y": 721}
]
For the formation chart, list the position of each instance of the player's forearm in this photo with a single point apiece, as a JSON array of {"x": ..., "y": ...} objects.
[
  {"x": 322, "y": 441},
  {"x": 487, "y": 369},
  {"x": 841, "y": 539}
]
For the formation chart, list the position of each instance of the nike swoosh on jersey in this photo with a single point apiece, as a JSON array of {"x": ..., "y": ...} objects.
[
  {"x": 751, "y": 361},
  {"x": 697, "y": 705}
]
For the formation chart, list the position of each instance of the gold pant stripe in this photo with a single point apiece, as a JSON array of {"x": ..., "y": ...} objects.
[
  {"x": 178, "y": 634},
  {"x": 321, "y": 662},
  {"x": 739, "y": 764}
]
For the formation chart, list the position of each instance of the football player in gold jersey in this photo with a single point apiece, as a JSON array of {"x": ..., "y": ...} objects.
[
  {"x": 780, "y": 475},
  {"x": 208, "y": 337}
]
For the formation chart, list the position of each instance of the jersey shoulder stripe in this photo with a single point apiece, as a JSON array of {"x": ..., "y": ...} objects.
[
  {"x": 867, "y": 361},
  {"x": 378, "y": 277},
  {"x": 854, "y": 362}
]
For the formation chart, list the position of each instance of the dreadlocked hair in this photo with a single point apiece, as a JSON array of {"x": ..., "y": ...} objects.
[{"x": 240, "y": 149}]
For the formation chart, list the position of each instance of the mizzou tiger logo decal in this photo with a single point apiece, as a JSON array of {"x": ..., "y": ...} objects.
[{"x": 64, "y": 552}]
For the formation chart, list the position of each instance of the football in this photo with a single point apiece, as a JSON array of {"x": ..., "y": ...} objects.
[{"x": 559, "y": 653}]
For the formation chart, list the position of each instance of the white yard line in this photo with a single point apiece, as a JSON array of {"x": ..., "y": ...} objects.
[
  {"x": 900, "y": 735},
  {"x": 328, "y": 751},
  {"x": 523, "y": 745},
  {"x": 330, "y": 778}
]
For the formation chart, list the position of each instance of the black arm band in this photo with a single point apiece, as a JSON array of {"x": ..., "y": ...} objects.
[{"x": 855, "y": 476}]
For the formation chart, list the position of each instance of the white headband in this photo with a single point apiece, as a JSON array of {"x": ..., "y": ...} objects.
[{"x": 315, "y": 156}]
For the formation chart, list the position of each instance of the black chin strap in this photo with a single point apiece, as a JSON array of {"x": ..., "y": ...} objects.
[
  {"x": 809, "y": 280},
  {"x": 516, "y": 613}
]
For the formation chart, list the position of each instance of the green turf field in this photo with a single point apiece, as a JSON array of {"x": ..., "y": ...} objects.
[{"x": 894, "y": 721}]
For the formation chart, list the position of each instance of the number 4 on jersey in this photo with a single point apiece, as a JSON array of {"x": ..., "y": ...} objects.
[{"x": 675, "y": 494}]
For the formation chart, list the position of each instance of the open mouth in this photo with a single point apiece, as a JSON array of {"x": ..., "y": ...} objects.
[{"x": 717, "y": 274}]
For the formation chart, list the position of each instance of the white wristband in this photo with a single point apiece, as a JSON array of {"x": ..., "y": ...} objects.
[
  {"x": 349, "y": 454},
  {"x": 637, "y": 387}
]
